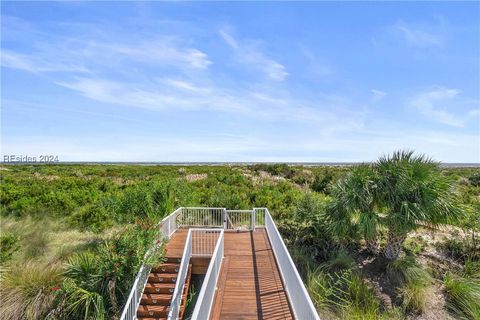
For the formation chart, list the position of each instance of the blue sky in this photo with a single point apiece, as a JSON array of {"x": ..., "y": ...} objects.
[{"x": 251, "y": 81}]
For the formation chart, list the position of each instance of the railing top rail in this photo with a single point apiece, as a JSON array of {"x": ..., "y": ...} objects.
[
  {"x": 168, "y": 216},
  {"x": 293, "y": 267},
  {"x": 207, "y": 208}
]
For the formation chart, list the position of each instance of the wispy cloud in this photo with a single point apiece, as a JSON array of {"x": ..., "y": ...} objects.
[
  {"x": 329, "y": 111},
  {"x": 377, "y": 95},
  {"x": 38, "y": 63},
  {"x": 74, "y": 55},
  {"x": 441, "y": 104},
  {"x": 248, "y": 53},
  {"x": 420, "y": 35}
]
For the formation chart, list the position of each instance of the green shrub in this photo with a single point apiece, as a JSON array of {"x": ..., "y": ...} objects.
[
  {"x": 474, "y": 179},
  {"x": 91, "y": 217},
  {"x": 97, "y": 282},
  {"x": 463, "y": 296},
  {"x": 8, "y": 246},
  {"x": 322, "y": 181}
]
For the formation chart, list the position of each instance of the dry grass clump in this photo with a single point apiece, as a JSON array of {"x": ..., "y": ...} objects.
[
  {"x": 28, "y": 290},
  {"x": 196, "y": 177}
]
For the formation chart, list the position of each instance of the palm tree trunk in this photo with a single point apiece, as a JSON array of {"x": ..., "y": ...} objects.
[{"x": 394, "y": 244}]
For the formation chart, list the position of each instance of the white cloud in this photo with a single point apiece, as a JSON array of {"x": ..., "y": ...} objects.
[
  {"x": 229, "y": 39},
  {"x": 78, "y": 56},
  {"x": 436, "y": 103},
  {"x": 419, "y": 36},
  {"x": 37, "y": 63},
  {"x": 249, "y": 54},
  {"x": 326, "y": 111},
  {"x": 377, "y": 95}
]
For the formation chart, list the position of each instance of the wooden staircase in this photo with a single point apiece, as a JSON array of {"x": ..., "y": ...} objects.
[{"x": 157, "y": 296}]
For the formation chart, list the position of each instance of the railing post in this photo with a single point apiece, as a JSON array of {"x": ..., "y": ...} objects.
[
  {"x": 224, "y": 217},
  {"x": 253, "y": 219}
]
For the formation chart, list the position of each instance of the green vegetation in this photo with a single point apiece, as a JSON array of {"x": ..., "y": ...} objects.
[
  {"x": 414, "y": 280},
  {"x": 463, "y": 296},
  {"x": 73, "y": 236},
  {"x": 398, "y": 193}
]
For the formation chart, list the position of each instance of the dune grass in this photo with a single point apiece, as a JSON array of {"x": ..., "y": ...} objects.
[
  {"x": 463, "y": 296},
  {"x": 28, "y": 291},
  {"x": 414, "y": 281}
]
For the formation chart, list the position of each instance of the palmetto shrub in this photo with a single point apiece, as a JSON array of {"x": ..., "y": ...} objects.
[
  {"x": 98, "y": 282},
  {"x": 399, "y": 193}
]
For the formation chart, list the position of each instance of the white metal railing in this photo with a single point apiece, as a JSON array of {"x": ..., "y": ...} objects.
[
  {"x": 204, "y": 303},
  {"x": 259, "y": 216},
  {"x": 182, "y": 275},
  {"x": 204, "y": 241},
  {"x": 168, "y": 225},
  {"x": 130, "y": 310},
  {"x": 201, "y": 217},
  {"x": 240, "y": 220},
  {"x": 199, "y": 242},
  {"x": 300, "y": 301},
  {"x": 210, "y": 242}
]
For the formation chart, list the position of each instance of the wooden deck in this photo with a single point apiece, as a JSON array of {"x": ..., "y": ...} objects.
[{"x": 249, "y": 285}]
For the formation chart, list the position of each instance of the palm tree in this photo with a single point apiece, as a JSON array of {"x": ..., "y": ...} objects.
[
  {"x": 398, "y": 193},
  {"x": 353, "y": 209},
  {"x": 413, "y": 193}
]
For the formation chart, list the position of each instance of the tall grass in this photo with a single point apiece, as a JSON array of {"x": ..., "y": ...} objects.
[
  {"x": 340, "y": 260},
  {"x": 28, "y": 290},
  {"x": 414, "y": 281},
  {"x": 463, "y": 296},
  {"x": 345, "y": 293}
]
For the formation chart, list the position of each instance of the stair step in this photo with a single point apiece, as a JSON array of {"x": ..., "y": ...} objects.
[
  {"x": 159, "y": 287},
  {"x": 156, "y": 299},
  {"x": 162, "y": 277},
  {"x": 166, "y": 268},
  {"x": 173, "y": 259},
  {"x": 152, "y": 311}
]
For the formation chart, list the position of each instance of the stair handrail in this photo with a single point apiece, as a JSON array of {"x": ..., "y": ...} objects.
[
  {"x": 167, "y": 227},
  {"x": 205, "y": 299},
  {"x": 298, "y": 296},
  {"x": 181, "y": 277}
]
